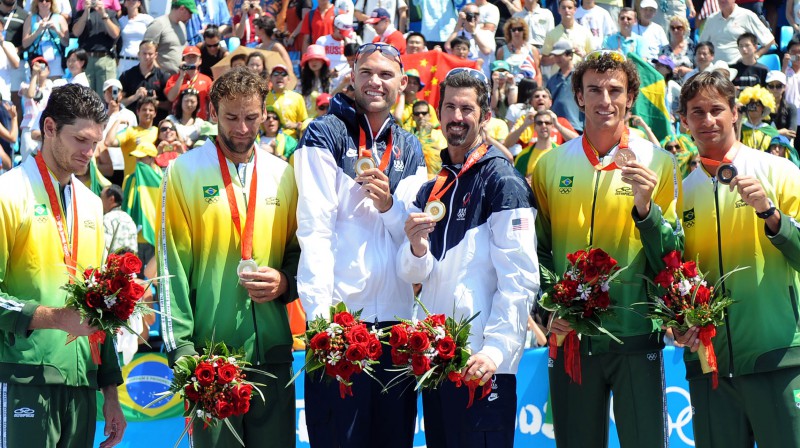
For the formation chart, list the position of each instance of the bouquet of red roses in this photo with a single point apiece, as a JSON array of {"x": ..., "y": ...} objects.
[
  {"x": 433, "y": 350},
  {"x": 687, "y": 301},
  {"x": 107, "y": 297},
  {"x": 213, "y": 386},
  {"x": 581, "y": 298},
  {"x": 342, "y": 346}
]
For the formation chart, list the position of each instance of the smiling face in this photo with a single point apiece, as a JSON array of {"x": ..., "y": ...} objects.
[
  {"x": 377, "y": 81},
  {"x": 415, "y": 44},
  {"x": 605, "y": 99},
  {"x": 461, "y": 118},
  {"x": 710, "y": 120},
  {"x": 626, "y": 21},
  {"x": 703, "y": 57}
]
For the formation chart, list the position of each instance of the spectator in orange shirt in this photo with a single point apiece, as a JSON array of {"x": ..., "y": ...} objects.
[
  {"x": 318, "y": 23},
  {"x": 386, "y": 32},
  {"x": 190, "y": 78}
]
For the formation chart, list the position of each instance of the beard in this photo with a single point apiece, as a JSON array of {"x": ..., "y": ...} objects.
[
  {"x": 457, "y": 140},
  {"x": 238, "y": 149}
]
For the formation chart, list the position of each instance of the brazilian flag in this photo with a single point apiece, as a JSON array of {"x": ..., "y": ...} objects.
[
  {"x": 142, "y": 191},
  {"x": 651, "y": 103},
  {"x": 96, "y": 179}
]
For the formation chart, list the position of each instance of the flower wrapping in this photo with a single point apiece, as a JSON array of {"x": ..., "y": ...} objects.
[
  {"x": 107, "y": 297},
  {"x": 581, "y": 298},
  {"x": 685, "y": 300},
  {"x": 342, "y": 347}
]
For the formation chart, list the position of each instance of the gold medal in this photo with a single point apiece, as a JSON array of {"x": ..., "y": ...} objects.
[
  {"x": 363, "y": 164},
  {"x": 436, "y": 209},
  {"x": 623, "y": 157}
]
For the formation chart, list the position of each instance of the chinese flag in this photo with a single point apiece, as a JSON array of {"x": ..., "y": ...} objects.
[{"x": 433, "y": 67}]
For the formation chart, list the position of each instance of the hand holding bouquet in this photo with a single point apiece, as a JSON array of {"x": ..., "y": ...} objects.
[
  {"x": 687, "y": 301},
  {"x": 106, "y": 298},
  {"x": 342, "y": 346},
  {"x": 581, "y": 298},
  {"x": 213, "y": 386}
]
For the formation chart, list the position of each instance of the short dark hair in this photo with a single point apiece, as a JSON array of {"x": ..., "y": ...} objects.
[
  {"x": 73, "y": 102},
  {"x": 350, "y": 49},
  {"x": 464, "y": 80},
  {"x": 148, "y": 100},
  {"x": 266, "y": 23},
  {"x": 713, "y": 81},
  {"x": 81, "y": 55},
  {"x": 413, "y": 34},
  {"x": 458, "y": 40},
  {"x": 211, "y": 31},
  {"x": 602, "y": 62},
  {"x": 421, "y": 103},
  {"x": 239, "y": 57},
  {"x": 237, "y": 83},
  {"x": 114, "y": 192},
  {"x": 706, "y": 43},
  {"x": 747, "y": 36},
  {"x": 792, "y": 43}
]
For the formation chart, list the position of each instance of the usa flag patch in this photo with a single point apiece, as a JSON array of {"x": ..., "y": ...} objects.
[{"x": 519, "y": 224}]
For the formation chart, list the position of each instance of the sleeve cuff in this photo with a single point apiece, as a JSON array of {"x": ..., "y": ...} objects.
[
  {"x": 494, "y": 353},
  {"x": 784, "y": 231},
  {"x": 393, "y": 216},
  {"x": 183, "y": 350},
  {"x": 414, "y": 269},
  {"x": 650, "y": 221},
  {"x": 291, "y": 290},
  {"x": 113, "y": 378},
  {"x": 24, "y": 317}
]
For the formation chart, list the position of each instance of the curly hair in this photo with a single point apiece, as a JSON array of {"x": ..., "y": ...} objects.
[
  {"x": 760, "y": 95},
  {"x": 240, "y": 82},
  {"x": 515, "y": 22},
  {"x": 604, "y": 61}
]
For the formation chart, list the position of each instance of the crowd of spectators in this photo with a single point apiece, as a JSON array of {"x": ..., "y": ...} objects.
[{"x": 153, "y": 63}]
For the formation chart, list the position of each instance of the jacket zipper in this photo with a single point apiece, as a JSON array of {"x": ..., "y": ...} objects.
[
  {"x": 255, "y": 331},
  {"x": 449, "y": 208},
  {"x": 721, "y": 273},
  {"x": 591, "y": 228}
]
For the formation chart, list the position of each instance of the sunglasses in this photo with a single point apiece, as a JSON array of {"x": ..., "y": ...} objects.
[
  {"x": 614, "y": 55},
  {"x": 774, "y": 86},
  {"x": 166, "y": 128},
  {"x": 272, "y": 117},
  {"x": 281, "y": 74},
  {"x": 388, "y": 51},
  {"x": 672, "y": 147},
  {"x": 213, "y": 45},
  {"x": 676, "y": 27},
  {"x": 421, "y": 113},
  {"x": 517, "y": 30},
  {"x": 543, "y": 123},
  {"x": 322, "y": 107},
  {"x": 470, "y": 16},
  {"x": 477, "y": 74}
]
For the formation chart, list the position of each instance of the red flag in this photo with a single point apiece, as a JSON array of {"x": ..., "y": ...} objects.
[{"x": 433, "y": 67}]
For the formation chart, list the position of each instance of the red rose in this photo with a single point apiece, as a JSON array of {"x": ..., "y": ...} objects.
[
  {"x": 321, "y": 341},
  {"x": 356, "y": 352},
  {"x": 241, "y": 407},
  {"x": 590, "y": 274},
  {"x": 603, "y": 300},
  {"x": 689, "y": 269},
  {"x": 358, "y": 335},
  {"x": 574, "y": 257},
  {"x": 223, "y": 409},
  {"x": 123, "y": 309},
  {"x": 191, "y": 393},
  {"x": 112, "y": 260},
  {"x": 344, "y": 319},
  {"x": 420, "y": 364},
  {"x": 204, "y": 373},
  {"x": 447, "y": 348},
  {"x": 374, "y": 349},
  {"x": 400, "y": 358},
  {"x": 673, "y": 260},
  {"x": 398, "y": 335},
  {"x": 702, "y": 296},
  {"x": 455, "y": 376},
  {"x": 130, "y": 264},
  {"x": 134, "y": 291},
  {"x": 94, "y": 299},
  {"x": 601, "y": 260},
  {"x": 435, "y": 319},
  {"x": 664, "y": 279},
  {"x": 418, "y": 341},
  {"x": 226, "y": 373},
  {"x": 346, "y": 369},
  {"x": 88, "y": 273},
  {"x": 118, "y": 284}
]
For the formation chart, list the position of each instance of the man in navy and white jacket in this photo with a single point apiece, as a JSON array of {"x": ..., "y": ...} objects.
[
  {"x": 350, "y": 227},
  {"x": 479, "y": 258}
]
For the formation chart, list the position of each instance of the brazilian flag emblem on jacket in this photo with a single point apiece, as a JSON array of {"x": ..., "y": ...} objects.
[
  {"x": 565, "y": 182},
  {"x": 210, "y": 191}
]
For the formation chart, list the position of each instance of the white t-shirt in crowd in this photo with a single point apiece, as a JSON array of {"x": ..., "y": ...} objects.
[
  {"x": 599, "y": 22},
  {"x": 723, "y": 33}
]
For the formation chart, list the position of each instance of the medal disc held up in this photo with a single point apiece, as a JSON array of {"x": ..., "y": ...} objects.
[
  {"x": 726, "y": 172},
  {"x": 363, "y": 164},
  {"x": 436, "y": 209},
  {"x": 624, "y": 156},
  {"x": 246, "y": 266}
]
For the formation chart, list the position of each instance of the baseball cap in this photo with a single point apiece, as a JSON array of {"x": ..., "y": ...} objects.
[
  {"x": 188, "y": 4},
  {"x": 145, "y": 149},
  {"x": 279, "y": 67},
  {"x": 377, "y": 15},
  {"x": 111, "y": 82},
  {"x": 39, "y": 59},
  {"x": 344, "y": 23},
  {"x": 191, "y": 49},
  {"x": 648, "y": 4},
  {"x": 324, "y": 99},
  {"x": 415, "y": 73},
  {"x": 665, "y": 60},
  {"x": 561, "y": 47},
  {"x": 776, "y": 75},
  {"x": 498, "y": 65}
]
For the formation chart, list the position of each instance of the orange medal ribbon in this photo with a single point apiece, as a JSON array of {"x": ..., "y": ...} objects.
[
  {"x": 364, "y": 152},
  {"x": 439, "y": 189},
  {"x": 591, "y": 153},
  {"x": 247, "y": 236},
  {"x": 70, "y": 255},
  {"x": 728, "y": 158}
]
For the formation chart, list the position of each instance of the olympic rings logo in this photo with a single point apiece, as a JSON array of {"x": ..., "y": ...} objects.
[{"x": 683, "y": 418}]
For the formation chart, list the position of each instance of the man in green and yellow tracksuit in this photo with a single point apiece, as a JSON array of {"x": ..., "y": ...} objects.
[
  {"x": 585, "y": 199},
  {"x": 50, "y": 223},
  {"x": 753, "y": 223},
  {"x": 227, "y": 239}
]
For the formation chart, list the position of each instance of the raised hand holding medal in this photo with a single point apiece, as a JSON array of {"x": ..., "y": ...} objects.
[{"x": 373, "y": 179}]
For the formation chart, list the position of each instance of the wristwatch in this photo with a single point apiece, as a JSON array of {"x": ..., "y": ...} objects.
[{"x": 768, "y": 212}]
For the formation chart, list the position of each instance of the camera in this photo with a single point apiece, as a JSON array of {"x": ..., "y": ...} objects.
[
  {"x": 752, "y": 106},
  {"x": 114, "y": 93},
  {"x": 187, "y": 67},
  {"x": 151, "y": 92}
]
